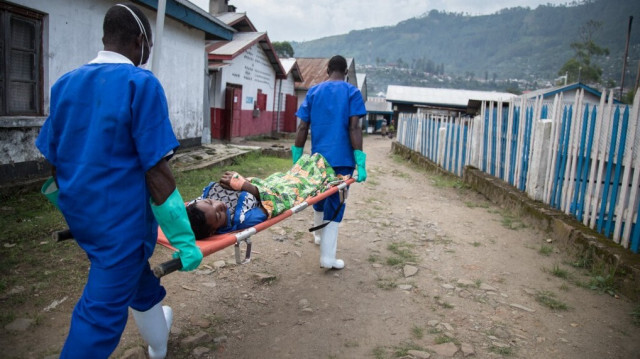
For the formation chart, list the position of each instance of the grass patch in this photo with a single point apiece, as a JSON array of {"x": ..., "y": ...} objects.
[
  {"x": 556, "y": 271},
  {"x": 386, "y": 284},
  {"x": 441, "y": 339},
  {"x": 400, "y": 174},
  {"x": 402, "y": 253},
  {"x": 402, "y": 350},
  {"x": 476, "y": 204},
  {"x": 476, "y": 244},
  {"x": 545, "y": 250},
  {"x": 378, "y": 352},
  {"x": 442, "y": 303},
  {"x": 443, "y": 181},
  {"x": 548, "y": 299},
  {"x": 506, "y": 351},
  {"x": 417, "y": 332},
  {"x": 511, "y": 221},
  {"x": 635, "y": 316}
]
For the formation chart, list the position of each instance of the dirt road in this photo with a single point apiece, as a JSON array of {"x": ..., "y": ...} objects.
[{"x": 431, "y": 270}]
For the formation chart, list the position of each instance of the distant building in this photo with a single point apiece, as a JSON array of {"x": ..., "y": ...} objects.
[
  {"x": 243, "y": 77},
  {"x": 379, "y": 113},
  {"x": 568, "y": 92},
  {"x": 438, "y": 101}
]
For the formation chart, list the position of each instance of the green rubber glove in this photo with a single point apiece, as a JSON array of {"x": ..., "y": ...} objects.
[
  {"x": 50, "y": 190},
  {"x": 172, "y": 217},
  {"x": 296, "y": 153},
  {"x": 361, "y": 158}
]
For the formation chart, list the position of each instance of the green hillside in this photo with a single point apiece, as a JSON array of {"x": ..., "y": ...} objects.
[{"x": 521, "y": 43}]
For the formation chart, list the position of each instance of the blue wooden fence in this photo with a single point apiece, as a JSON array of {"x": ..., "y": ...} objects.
[{"x": 581, "y": 158}]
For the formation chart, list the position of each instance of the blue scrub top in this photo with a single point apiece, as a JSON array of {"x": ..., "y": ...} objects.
[
  {"x": 108, "y": 125},
  {"x": 327, "y": 108}
]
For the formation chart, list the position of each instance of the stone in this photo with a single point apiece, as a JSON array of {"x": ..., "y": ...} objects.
[
  {"x": 264, "y": 277},
  {"x": 448, "y": 286},
  {"x": 219, "y": 264},
  {"x": 19, "y": 325},
  {"x": 198, "y": 338},
  {"x": 522, "y": 307},
  {"x": 466, "y": 282},
  {"x": 137, "y": 352},
  {"x": 467, "y": 349},
  {"x": 445, "y": 350},
  {"x": 419, "y": 354},
  {"x": 200, "y": 352},
  {"x": 433, "y": 323},
  {"x": 447, "y": 326},
  {"x": 409, "y": 270},
  {"x": 487, "y": 287},
  {"x": 220, "y": 339},
  {"x": 202, "y": 323},
  {"x": 405, "y": 286}
]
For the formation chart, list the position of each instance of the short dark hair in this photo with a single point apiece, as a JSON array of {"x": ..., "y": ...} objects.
[
  {"x": 337, "y": 63},
  {"x": 120, "y": 26},
  {"x": 198, "y": 222}
]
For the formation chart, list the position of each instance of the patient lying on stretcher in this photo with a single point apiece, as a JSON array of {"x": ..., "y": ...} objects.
[{"x": 236, "y": 203}]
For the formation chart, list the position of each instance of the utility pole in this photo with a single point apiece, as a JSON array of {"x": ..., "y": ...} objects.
[{"x": 626, "y": 53}]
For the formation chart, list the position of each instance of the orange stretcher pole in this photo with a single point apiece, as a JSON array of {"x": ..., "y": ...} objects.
[{"x": 218, "y": 242}]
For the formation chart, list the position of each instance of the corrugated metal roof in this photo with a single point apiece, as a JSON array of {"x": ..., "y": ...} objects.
[
  {"x": 228, "y": 50},
  {"x": 237, "y": 20},
  {"x": 442, "y": 96},
  {"x": 314, "y": 71},
  {"x": 290, "y": 65},
  {"x": 378, "y": 105}
]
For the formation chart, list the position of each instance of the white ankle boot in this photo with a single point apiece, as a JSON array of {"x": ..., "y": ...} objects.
[
  {"x": 318, "y": 219},
  {"x": 329, "y": 246},
  {"x": 154, "y": 326}
]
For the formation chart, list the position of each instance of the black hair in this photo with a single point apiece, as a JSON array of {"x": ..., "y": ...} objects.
[
  {"x": 337, "y": 63},
  {"x": 120, "y": 26},
  {"x": 198, "y": 222}
]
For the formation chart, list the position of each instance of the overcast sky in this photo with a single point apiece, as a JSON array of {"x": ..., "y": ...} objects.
[{"x": 303, "y": 20}]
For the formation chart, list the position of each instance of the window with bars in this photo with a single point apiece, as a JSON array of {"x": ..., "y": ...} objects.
[{"x": 21, "y": 61}]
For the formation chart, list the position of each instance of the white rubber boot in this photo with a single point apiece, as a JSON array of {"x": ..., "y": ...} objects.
[
  {"x": 318, "y": 219},
  {"x": 154, "y": 326},
  {"x": 329, "y": 246}
]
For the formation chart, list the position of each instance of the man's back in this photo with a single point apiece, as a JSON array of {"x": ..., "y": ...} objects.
[
  {"x": 108, "y": 125},
  {"x": 328, "y": 107}
]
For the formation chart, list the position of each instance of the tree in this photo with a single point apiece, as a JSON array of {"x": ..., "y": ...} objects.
[
  {"x": 283, "y": 48},
  {"x": 580, "y": 67}
]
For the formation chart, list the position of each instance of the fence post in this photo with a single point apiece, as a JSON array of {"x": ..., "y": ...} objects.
[
  {"x": 539, "y": 160},
  {"x": 442, "y": 142}
]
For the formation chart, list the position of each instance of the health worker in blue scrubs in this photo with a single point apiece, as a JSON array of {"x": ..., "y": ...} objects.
[
  {"x": 108, "y": 138},
  {"x": 332, "y": 110}
]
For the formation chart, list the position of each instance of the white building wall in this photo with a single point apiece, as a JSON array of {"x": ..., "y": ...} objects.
[
  {"x": 252, "y": 71},
  {"x": 72, "y": 36}
]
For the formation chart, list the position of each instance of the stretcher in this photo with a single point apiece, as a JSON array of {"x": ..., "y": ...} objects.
[{"x": 218, "y": 242}]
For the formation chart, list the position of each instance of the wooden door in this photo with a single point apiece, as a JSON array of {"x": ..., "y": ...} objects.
[{"x": 290, "y": 107}]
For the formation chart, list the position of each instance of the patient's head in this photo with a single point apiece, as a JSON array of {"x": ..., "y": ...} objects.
[{"x": 206, "y": 216}]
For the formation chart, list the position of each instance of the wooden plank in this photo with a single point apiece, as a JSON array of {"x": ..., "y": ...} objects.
[
  {"x": 594, "y": 155},
  {"x": 607, "y": 123},
  {"x": 635, "y": 182}
]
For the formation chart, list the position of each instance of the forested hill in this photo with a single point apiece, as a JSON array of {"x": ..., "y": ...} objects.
[{"x": 512, "y": 43}]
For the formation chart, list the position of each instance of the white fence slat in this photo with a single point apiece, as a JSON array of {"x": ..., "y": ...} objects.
[{"x": 628, "y": 216}]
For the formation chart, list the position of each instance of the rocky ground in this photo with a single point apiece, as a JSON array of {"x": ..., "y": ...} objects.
[{"x": 433, "y": 270}]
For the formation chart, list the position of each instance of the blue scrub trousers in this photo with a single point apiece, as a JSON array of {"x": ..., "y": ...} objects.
[
  {"x": 331, "y": 203},
  {"x": 101, "y": 314}
]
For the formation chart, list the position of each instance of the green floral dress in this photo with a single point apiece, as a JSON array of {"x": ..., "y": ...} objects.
[{"x": 281, "y": 191}]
